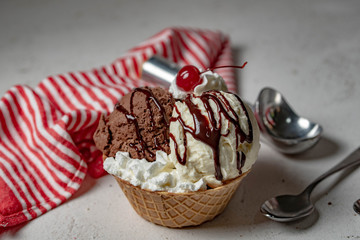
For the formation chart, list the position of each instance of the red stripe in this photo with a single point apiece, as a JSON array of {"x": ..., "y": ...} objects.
[
  {"x": 192, "y": 53},
  {"x": 196, "y": 42},
  {"x": 98, "y": 76},
  {"x": 89, "y": 118},
  {"x": 114, "y": 69},
  {"x": 54, "y": 112},
  {"x": 13, "y": 181},
  {"x": 112, "y": 79},
  {"x": 51, "y": 98},
  {"x": 123, "y": 64},
  {"x": 77, "y": 120},
  {"x": 56, "y": 150},
  {"x": 21, "y": 193},
  {"x": 164, "y": 49},
  {"x": 153, "y": 49},
  {"x": 213, "y": 41},
  {"x": 7, "y": 215},
  {"x": 178, "y": 47},
  {"x": 124, "y": 82},
  {"x": 136, "y": 67},
  {"x": 69, "y": 121},
  {"x": 19, "y": 158},
  {"x": 42, "y": 139},
  {"x": 59, "y": 90},
  {"x": 218, "y": 56},
  {"x": 88, "y": 91},
  {"x": 70, "y": 145},
  {"x": 83, "y": 123},
  {"x": 29, "y": 189},
  {"x": 144, "y": 56},
  {"x": 172, "y": 47},
  {"x": 60, "y": 140},
  {"x": 28, "y": 147},
  {"x": 104, "y": 71},
  {"x": 105, "y": 92},
  {"x": 77, "y": 94}
]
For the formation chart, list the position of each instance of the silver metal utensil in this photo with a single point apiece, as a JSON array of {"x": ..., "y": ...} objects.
[
  {"x": 286, "y": 208},
  {"x": 356, "y": 206},
  {"x": 159, "y": 70},
  {"x": 282, "y": 128}
]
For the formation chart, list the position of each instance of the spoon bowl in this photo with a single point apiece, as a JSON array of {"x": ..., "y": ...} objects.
[
  {"x": 281, "y": 126},
  {"x": 286, "y": 208}
]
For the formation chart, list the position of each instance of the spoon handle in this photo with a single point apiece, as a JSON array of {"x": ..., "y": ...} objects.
[{"x": 352, "y": 160}]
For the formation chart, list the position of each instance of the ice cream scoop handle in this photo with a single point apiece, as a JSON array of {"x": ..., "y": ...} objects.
[{"x": 159, "y": 70}]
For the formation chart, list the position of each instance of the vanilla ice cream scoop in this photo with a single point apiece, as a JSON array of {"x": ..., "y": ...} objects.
[{"x": 214, "y": 136}]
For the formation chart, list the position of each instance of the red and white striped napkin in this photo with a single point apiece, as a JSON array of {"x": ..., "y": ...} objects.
[{"x": 46, "y": 145}]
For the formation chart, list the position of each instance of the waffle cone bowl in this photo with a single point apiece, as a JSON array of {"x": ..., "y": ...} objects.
[{"x": 177, "y": 210}]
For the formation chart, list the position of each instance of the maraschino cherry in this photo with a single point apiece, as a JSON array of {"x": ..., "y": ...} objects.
[{"x": 189, "y": 76}]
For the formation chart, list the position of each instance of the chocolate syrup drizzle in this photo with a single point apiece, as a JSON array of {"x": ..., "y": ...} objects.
[
  {"x": 208, "y": 130},
  {"x": 131, "y": 118}
]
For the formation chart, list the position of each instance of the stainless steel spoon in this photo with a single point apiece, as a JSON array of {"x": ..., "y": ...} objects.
[
  {"x": 282, "y": 128},
  {"x": 286, "y": 208},
  {"x": 357, "y": 206}
]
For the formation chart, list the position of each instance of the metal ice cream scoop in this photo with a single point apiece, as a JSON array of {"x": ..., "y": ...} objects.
[{"x": 281, "y": 127}]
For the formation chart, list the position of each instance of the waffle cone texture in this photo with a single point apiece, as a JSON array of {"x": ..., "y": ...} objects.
[{"x": 177, "y": 210}]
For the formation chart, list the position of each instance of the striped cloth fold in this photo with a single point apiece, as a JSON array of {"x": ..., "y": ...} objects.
[{"x": 46, "y": 145}]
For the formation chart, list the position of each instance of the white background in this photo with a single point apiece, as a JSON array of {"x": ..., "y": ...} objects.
[{"x": 309, "y": 50}]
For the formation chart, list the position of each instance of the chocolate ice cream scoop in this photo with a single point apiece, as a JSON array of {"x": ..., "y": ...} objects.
[{"x": 139, "y": 124}]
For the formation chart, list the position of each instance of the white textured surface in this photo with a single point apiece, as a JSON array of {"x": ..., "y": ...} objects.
[{"x": 309, "y": 50}]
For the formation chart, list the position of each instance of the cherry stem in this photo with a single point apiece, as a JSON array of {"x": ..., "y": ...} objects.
[{"x": 210, "y": 69}]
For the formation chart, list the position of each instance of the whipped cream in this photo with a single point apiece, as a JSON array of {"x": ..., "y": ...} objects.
[
  {"x": 159, "y": 175},
  {"x": 209, "y": 81}
]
